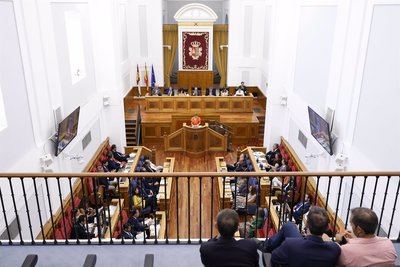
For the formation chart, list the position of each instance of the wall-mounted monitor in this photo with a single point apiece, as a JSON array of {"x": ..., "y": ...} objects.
[
  {"x": 67, "y": 130},
  {"x": 320, "y": 130}
]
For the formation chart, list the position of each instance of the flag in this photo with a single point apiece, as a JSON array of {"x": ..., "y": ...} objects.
[
  {"x": 146, "y": 77},
  {"x": 153, "y": 77},
  {"x": 137, "y": 75}
]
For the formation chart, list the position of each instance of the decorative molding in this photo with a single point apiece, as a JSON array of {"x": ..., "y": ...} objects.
[{"x": 195, "y": 13}]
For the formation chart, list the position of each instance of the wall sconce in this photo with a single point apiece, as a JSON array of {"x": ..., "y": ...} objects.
[
  {"x": 167, "y": 46},
  {"x": 221, "y": 47},
  {"x": 283, "y": 101}
]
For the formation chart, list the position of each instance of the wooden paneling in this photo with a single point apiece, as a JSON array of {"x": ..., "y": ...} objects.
[
  {"x": 199, "y": 104},
  {"x": 195, "y": 141},
  {"x": 189, "y": 79}
]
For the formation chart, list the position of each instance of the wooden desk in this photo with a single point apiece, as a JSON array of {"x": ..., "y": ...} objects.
[
  {"x": 162, "y": 219},
  {"x": 273, "y": 215},
  {"x": 195, "y": 140},
  {"x": 163, "y": 197},
  {"x": 199, "y": 104},
  {"x": 114, "y": 217},
  {"x": 225, "y": 200},
  {"x": 189, "y": 79},
  {"x": 264, "y": 181}
]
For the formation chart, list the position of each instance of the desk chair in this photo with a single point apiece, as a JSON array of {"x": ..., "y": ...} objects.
[
  {"x": 90, "y": 260},
  {"x": 149, "y": 260},
  {"x": 30, "y": 261}
]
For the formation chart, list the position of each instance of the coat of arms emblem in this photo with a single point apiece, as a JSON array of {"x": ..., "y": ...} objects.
[{"x": 195, "y": 50}]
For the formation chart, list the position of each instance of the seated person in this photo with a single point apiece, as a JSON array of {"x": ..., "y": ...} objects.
[
  {"x": 110, "y": 185},
  {"x": 150, "y": 166},
  {"x": 112, "y": 164},
  {"x": 301, "y": 208},
  {"x": 275, "y": 163},
  {"x": 118, "y": 155},
  {"x": 239, "y": 92},
  {"x": 271, "y": 154},
  {"x": 176, "y": 92},
  {"x": 257, "y": 221},
  {"x": 169, "y": 91},
  {"x": 137, "y": 224},
  {"x": 195, "y": 121},
  {"x": 239, "y": 166},
  {"x": 127, "y": 231},
  {"x": 224, "y": 250},
  {"x": 242, "y": 88},
  {"x": 251, "y": 197},
  {"x": 225, "y": 92},
  {"x": 143, "y": 199},
  {"x": 363, "y": 247},
  {"x": 155, "y": 91},
  {"x": 210, "y": 91},
  {"x": 290, "y": 248},
  {"x": 79, "y": 229},
  {"x": 182, "y": 92},
  {"x": 196, "y": 91}
]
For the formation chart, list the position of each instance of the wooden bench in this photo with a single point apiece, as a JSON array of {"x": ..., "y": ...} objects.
[
  {"x": 225, "y": 200},
  {"x": 273, "y": 215},
  {"x": 163, "y": 197},
  {"x": 77, "y": 191},
  {"x": 114, "y": 217}
]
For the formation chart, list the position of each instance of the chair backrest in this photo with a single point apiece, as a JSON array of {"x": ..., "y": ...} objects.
[
  {"x": 30, "y": 260},
  {"x": 149, "y": 260},
  {"x": 90, "y": 260}
]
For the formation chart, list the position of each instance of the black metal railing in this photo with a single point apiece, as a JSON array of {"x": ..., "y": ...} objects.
[{"x": 44, "y": 208}]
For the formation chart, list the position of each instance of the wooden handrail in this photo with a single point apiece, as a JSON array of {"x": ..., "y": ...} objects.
[{"x": 197, "y": 174}]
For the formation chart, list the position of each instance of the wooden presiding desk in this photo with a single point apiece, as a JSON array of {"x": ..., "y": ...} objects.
[
  {"x": 195, "y": 140},
  {"x": 199, "y": 104}
]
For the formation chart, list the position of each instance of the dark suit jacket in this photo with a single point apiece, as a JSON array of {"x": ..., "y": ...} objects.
[
  {"x": 307, "y": 251},
  {"x": 229, "y": 252},
  {"x": 80, "y": 231}
]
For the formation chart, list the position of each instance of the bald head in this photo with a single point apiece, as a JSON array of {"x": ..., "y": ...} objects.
[
  {"x": 365, "y": 219},
  {"x": 227, "y": 222}
]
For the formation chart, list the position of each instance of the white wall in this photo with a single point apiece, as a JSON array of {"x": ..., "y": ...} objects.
[
  {"x": 342, "y": 55},
  {"x": 249, "y": 36},
  {"x": 171, "y": 7},
  {"x": 35, "y": 79},
  {"x": 145, "y": 38}
]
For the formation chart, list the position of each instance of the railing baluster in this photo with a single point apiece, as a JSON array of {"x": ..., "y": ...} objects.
[
  {"x": 269, "y": 205},
  {"x": 394, "y": 208},
  {"x": 374, "y": 193},
  {"x": 85, "y": 200},
  {"x": 120, "y": 212},
  {"x": 155, "y": 212},
  {"x": 316, "y": 191},
  {"x": 349, "y": 205},
  {"x": 337, "y": 206},
  {"x": 363, "y": 190},
  {"x": 15, "y": 211},
  {"x": 188, "y": 203},
  {"x": 257, "y": 204},
  {"x": 95, "y": 187},
  {"x": 110, "y": 228},
  {"x": 177, "y": 209},
  {"x": 383, "y": 204},
  {"x": 234, "y": 201},
  {"x": 281, "y": 204},
  {"x": 38, "y": 210},
  {"x": 50, "y": 209},
  {"x": 27, "y": 210},
  {"x": 292, "y": 201},
  {"x": 302, "y": 207},
  {"x": 212, "y": 207},
  {"x": 141, "y": 213},
  {"x": 62, "y": 210},
  {"x": 223, "y": 192},
  {"x": 131, "y": 190},
  {"x": 327, "y": 194},
  {"x": 200, "y": 196},
  {"x": 73, "y": 209},
  {"x": 166, "y": 208},
  {"x": 246, "y": 209},
  {"x": 5, "y": 218}
]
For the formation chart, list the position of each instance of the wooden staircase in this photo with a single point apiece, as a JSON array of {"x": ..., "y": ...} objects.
[
  {"x": 261, "y": 126},
  {"x": 131, "y": 132}
]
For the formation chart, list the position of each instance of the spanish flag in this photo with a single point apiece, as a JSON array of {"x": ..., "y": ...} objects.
[
  {"x": 137, "y": 74},
  {"x": 146, "y": 77}
]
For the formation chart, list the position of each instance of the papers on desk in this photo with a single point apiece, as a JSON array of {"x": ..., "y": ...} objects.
[{"x": 132, "y": 156}]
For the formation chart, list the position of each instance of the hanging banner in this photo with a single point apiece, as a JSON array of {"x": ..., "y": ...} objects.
[{"x": 195, "y": 50}]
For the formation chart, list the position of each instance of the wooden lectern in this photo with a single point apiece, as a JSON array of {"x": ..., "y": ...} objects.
[{"x": 195, "y": 140}]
